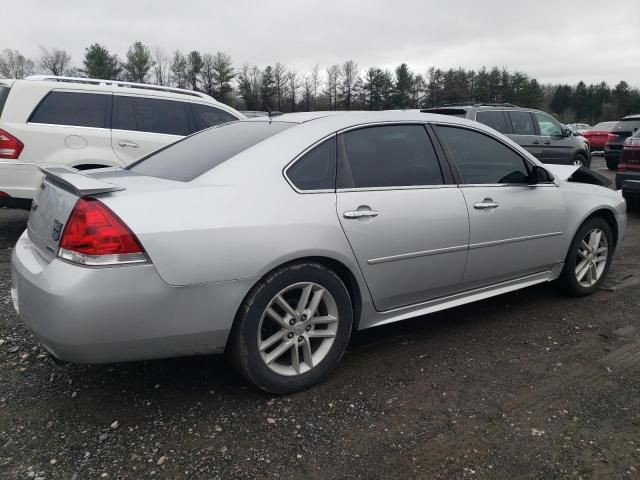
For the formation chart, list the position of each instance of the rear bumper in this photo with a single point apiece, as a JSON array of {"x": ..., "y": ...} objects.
[
  {"x": 19, "y": 180},
  {"x": 103, "y": 315}
]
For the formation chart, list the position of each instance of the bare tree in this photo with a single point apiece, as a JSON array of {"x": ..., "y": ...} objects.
[
  {"x": 55, "y": 61},
  {"x": 350, "y": 79},
  {"x": 316, "y": 82},
  {"x": 293, "y": 80},
  {"x": 279, "y": 78},
  {"x": 249, "y": 81},
  {"x": 307, "y": 91},
  {"x": 161, "y": 68},
  {"x": 15, "y": 65},
  {"x": 179, "y": 70},
  {"x": 333, "y": 78},
  {"x": 207, "y": 75}
]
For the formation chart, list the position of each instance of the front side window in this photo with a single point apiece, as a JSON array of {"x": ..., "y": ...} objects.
[
  {"x": 494, "y": 120},
  {"x": 387, "y": 156},
  {"x": 72, "y": 109},
  {"x": 207, "y": 116},
  {"x": 548, "y": 126},
  {"x": 151, "y": 115},
  {"x": 482, "y": 159},
  {"x": 316, "y": 170},
  {"x": 521, "y": 123}
]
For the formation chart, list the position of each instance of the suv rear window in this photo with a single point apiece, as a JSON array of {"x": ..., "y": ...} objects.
[
  {"x": 207, "y": 116},
  {"x": 151, "y": 115},
  {"x": 494, "y": 120},
  {"x": 4, "y": 93},
  {"x": 191, "y": 157},
  {"x": 630, "y": 125},
  {"x": 73, "y": 109}
]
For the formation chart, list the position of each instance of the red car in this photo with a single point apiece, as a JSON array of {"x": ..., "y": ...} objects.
[{"x": 597, "y": 135}]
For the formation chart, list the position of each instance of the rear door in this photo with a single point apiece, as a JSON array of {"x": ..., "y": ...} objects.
[
  {"x": 556, "y": 148},
  {"x": 142, "y": 125},
  {"x": 515, "y": 228},
  {"x": 522, "y": 130},
  {"x": 408, "y": 228}
]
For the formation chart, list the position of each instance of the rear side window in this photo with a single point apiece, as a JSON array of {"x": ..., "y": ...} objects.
[
  {"x": 191, "y": 157},
  {"x": 4, "y": 93},
  {"x": 207, "y": 116},
  {"x": 316, "y": 170},
  {"x": 151, "y": 115},
  {"x": 521, "y": 123},
  {"x": 388, "y": 156},
  {"x": 630, "y": 125},
  {"x": 73, "y": 109},
  {"x": 494, "y": 120},
  {"x": 482, "y": 159}
]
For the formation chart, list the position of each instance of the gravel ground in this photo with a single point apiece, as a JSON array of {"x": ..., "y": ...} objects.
[{"x": 526, "y": 385}]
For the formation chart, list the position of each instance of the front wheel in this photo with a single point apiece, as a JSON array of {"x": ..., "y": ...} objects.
[
  {"x": 588, "y": 259},
  {"x": 292, "y": 329},
  {"x": 580, "y": 160}
]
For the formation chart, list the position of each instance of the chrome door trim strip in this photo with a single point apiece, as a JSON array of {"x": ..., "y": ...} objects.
[
  {"x": 425, "y": 253},
  {"x": 513, "y": 240}
]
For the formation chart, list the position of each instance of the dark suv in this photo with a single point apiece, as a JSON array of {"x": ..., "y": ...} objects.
[
  {"x": 615, "y": 140},
  {"x": 541, "y": 134}
]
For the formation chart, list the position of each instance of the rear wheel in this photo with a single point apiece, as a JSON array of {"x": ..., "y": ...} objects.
[
  {"x": 588, "y": 259},
  {"x": 292, "y": 329}
]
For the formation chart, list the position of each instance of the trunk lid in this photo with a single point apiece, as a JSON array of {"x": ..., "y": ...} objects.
[{"x": 57, "y": 195}]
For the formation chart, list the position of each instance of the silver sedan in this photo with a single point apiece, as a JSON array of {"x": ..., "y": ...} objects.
[{"x": 274, "y": 238}]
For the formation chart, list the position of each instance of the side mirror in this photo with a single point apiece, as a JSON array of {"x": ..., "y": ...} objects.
[
  {"x": 567, "y": 132},
  {"x": 538, "y": 175}
]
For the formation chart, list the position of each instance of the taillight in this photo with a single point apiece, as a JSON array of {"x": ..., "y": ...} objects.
[
  {"x": 632, "y": 142},
  {"x": 10, "y": 146},
  {"x": 94, "y": 235},
  {"x": 612, "y": 137}
]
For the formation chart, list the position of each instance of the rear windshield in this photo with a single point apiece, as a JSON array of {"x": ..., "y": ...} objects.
[
  {"x": 4, "y": 93},
  {"x": 606, "y": 126},
  {"x": 630, "y": 125},
  {"x": 191, "y": 157}
]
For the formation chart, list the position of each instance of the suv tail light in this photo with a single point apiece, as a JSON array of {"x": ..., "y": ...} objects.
[
  {"x": 10, "y": 146},
  {"x": 632, "y": 142},
  {"x": 95, "y": 236},
  {"x": 612, "y": 137}
]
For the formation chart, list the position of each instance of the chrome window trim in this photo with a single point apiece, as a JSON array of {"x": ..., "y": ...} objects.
[
  {"x": 118, "y": 130},
  {"x": 67, "y": 126},
  {"x": 504, "y": 185},
  {"x": 407, "y": 187}
]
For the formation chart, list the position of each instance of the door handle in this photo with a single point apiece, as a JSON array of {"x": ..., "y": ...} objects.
[
  {"x": 536, "y": 142},
  {"x": 353, "y": 214},
  {"x": 126, "y": 143},
  {"x": 486, "y": 204},
  {"x": 547, "y": 142}
]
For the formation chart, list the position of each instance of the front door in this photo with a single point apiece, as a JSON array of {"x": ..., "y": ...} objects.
[
  {"x": 515, "y": 228},
  {"x": 408, "y": 230},
  {"x": 524, "y": 133},
  {"x": 556, "y": 148}
]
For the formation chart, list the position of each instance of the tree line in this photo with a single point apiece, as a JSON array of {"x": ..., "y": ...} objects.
[{"x": 342, "y": 86}]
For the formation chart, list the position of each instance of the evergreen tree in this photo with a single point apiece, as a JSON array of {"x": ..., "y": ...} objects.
[
  {"x": 99, "y": 63},
  {"x": 138, "y": 62}
]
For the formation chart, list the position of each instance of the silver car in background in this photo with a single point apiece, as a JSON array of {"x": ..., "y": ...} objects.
[{"x": 273, "y": 239}]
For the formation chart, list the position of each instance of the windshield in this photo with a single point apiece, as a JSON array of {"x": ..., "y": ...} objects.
[{"x": 189, "y": 158}]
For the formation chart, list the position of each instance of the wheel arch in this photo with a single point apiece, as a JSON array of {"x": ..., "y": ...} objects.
[{"x": 608, "y": 216}]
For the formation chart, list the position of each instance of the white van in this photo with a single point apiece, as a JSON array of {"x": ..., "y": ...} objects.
[{"x": 89, "y": 123}]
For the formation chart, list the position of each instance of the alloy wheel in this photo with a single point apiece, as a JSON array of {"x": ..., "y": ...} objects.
[
  {"x": 297, "y": 329},
  {"x": 591, "y": 259}
]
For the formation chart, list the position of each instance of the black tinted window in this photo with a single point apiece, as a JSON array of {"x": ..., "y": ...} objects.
[
  {"x": 393, "y": 156},
  {"x": 522, "y": 123},
  {"x": 630, "y": 125},
  {"x": 316, "y": 170},
  {"x": 69, "y": 108},
  {"x": 207, "y": 116},
  {"x": 482, "y": 159},
  {"x": 494, "y": 120},
  {"x": 548, "y": 126},
  {"x": 4, "y": 93},
  {"x": 151, "y": 115},
  {"x": 197, "y": 154}
]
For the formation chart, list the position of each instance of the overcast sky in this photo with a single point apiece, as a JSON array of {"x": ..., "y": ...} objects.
[{"x": 554, "y": 41}]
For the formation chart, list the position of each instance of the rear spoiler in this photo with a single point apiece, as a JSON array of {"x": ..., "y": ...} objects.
[{"x": 79, "y": 183}]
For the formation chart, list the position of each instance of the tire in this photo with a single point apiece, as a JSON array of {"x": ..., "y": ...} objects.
[
  {"x": 569, "y": 277},
  {"x": 319, "y": 344},
  {"x": 612, "y": 164},
  {"x": 580, "y": 157}
]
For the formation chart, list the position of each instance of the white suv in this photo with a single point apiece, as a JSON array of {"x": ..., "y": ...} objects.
[{"x": 87, "y": 123}]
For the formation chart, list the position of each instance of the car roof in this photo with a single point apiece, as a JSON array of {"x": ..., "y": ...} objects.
[{"x": 635, "y": 116}]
